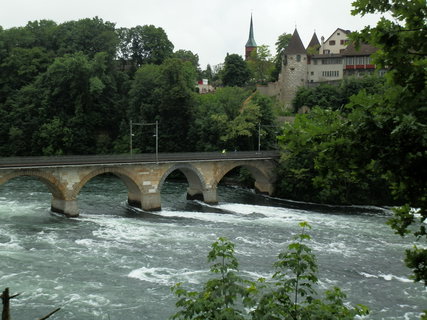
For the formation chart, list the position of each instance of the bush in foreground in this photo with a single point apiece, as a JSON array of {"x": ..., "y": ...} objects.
[{"x": 289, "y": 294}]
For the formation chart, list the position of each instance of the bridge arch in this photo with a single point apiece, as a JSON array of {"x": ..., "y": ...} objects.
[
  {"x": 54, "y": 186},
  {"x": 196, "y": 181},
  {"x": 132, "y": 186},
  {"x": 263, "y": 175}
]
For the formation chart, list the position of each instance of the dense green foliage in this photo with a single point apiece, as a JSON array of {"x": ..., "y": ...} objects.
[
  {"x": 289, "y": 294},
  {"x": 325, "y": 160},
  {"x": 229, "y": 119},
  {"x": 73, "y": 88},
  {"x": 373, "y": 146},
  {"x": 261, "y": 65},
  {"x": 336, "y": 96},
  {"x": 281, "y": 44},
  {"x": 236, "y": 72},
  {"x": 400, "y": 115}
]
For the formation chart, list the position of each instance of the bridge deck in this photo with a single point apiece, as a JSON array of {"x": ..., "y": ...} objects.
[{"x": 31, "y": 162}]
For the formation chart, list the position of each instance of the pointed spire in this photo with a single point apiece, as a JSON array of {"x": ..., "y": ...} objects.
[
  {"x": 314, "y": 45},
  {"x": 314, "y": 42},
  {"x": 251, "y": 41},
  {"x": 295, "y": 45}
]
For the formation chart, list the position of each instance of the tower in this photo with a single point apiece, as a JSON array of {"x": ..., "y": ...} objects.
[
  {"x": 250, "y": 44},
  {"x": 294, "y": 70}
]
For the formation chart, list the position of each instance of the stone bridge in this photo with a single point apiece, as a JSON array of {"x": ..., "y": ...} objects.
[{"x": 143, "y": 175}]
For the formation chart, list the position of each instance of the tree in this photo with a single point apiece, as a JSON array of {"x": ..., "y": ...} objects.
[
  {"x": 89, "y": 36},
  {"x": 165, "y": 93},
  {"x": 400, "y": 114},
  {"x": 236, "y": 72},
  {"x": 219, "y": 295},
  {"x": 75, "y": 92},
  {"x": 229, "y": 119},
  {"x": 144, "y": 45},
  {"x": 281, "y": 44},
  {"x": 208, "y": 73},
  {"x": 212, "y": 114},
  {"x": 329, "y": 157},
  {"x": 187, "y": 55},
  {"x": 20, "y": 68},
  {"x": 335, "y": 97},
  {"x": 324, "y": 96},
  {"x": 261, "y": 64},
  {"x": 176, "y": 104}
]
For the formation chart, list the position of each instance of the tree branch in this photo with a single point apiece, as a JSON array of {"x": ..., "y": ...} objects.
[{"x": 48, "y": 315}]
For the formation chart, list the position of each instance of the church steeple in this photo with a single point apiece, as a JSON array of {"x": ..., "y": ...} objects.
[{"x": 250, "y": 44}]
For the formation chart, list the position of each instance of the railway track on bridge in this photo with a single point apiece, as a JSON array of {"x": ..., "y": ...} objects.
[{"x": 59, "y": 161}]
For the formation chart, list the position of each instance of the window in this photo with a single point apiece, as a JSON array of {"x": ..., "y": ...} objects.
[
  {"x": 298, "y": 58},
  {"x": 349, "y": 60},
  {"x": 330, "y": 74},
  {"x": 314, "y": 61},
  {"x": 326, "y": 51},
  {"x": 332, "y": 42},
  {"x": 332, "y": 61},
  {"x": 361, "y": 60},
  {"x": 312, "y": 73},
  {"x": 344, "y": 41}
]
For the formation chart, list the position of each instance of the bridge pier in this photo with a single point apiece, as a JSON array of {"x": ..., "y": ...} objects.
[
  {"x": 134, "y": 200},
  {"x": 151, "y": 201},
  {"x": 208, "y": 196},
  {"x": 66, "y": 207},
  {"x": 194, "y": 194},
  {"x": 264, "y": 188}
]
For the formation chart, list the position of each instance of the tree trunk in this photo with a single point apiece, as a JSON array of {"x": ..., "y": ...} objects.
[{"x": 6, "y": 305}]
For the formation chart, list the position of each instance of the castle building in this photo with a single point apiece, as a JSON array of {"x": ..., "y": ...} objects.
[
  {"x": 328, "y": 61},
  {"x": 250, "y": 44}
]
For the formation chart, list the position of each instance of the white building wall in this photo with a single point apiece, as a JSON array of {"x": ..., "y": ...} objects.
[
  {"x": 335, "y": 43},
  {"x": 317, "y": 71}
]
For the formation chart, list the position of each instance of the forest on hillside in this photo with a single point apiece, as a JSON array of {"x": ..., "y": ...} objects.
[{"x": 73, "y": 88}]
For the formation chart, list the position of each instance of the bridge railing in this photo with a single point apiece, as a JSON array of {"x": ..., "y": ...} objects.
[{"x": 7, "y": 162}]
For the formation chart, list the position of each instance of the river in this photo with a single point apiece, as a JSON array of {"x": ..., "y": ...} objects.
[{"x": 114, "y": 262}]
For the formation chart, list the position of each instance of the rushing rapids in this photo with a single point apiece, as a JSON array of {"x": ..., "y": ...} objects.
[{"x": 114, "y": 262}]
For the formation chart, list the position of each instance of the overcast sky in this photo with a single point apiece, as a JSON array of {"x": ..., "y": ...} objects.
[{"x": 210, "y": 29}]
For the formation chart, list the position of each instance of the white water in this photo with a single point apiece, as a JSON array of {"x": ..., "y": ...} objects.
[{"x": 114, "y": 262}]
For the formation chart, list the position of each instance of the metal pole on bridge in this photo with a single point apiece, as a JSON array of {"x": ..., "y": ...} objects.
[
  {"x": 130, "y": 137},
  {"x": 156, "y": 135},
  {"x": 157, "y": 141}
]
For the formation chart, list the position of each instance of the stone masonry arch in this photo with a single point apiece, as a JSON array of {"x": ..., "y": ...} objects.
[
  {"x": 53, "y": 185},
  {"x": 196, "y": 181},
  {"x": 263, "y": 173},
  {"x": 127, "y": 177},
  {"x": 56, "y": 188}
]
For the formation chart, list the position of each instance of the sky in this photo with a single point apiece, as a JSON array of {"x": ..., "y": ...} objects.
[{"x": 210, "y": 29}]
